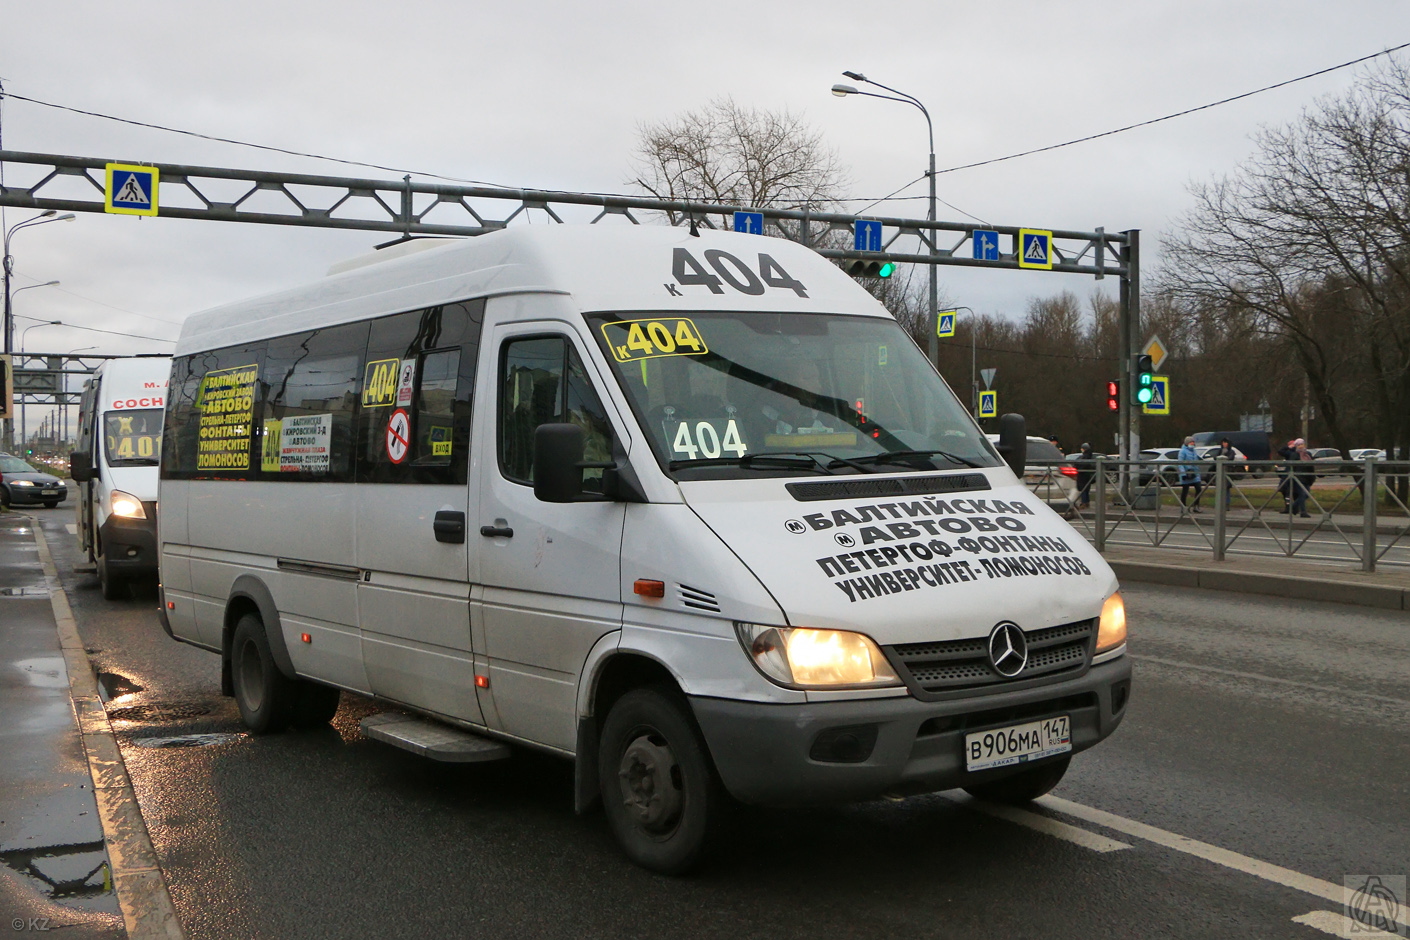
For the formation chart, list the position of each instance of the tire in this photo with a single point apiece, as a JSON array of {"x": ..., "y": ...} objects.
[
  {"x": 266, "y": 697},
  {"x": 51, "y": 504},
  {"x": 659, "y": 790},
  {"x": 315, "y": 705},
  {"x": 114, "y": 587},
  {"x": 1024, "y": 786}
]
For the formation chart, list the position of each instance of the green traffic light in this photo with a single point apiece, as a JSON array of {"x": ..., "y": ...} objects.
[
  {"x": 1145, "y": 395},
  {"x": 886, "y": 270}
]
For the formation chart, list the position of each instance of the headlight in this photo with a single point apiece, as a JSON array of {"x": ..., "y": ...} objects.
[
  {"x": 1111, "y": 632},
  {"x": 815, "y": 658},
  {"x": 23, "y": 483},
  {"x": 128, "y": 507}
]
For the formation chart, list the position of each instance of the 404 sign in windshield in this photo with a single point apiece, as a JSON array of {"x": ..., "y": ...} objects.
[{"x": 648, "y": 339}]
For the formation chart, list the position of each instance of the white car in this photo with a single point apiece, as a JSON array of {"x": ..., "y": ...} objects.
[
  {"x": 1372, "y": 453},
  {"x": 1047, "y": 473}
]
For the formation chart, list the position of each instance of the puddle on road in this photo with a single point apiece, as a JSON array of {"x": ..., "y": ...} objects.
[
  {"x": 113, "y": 685},
  {"x": 188, "y": 740},
  {"x": 75, "y": 875},
  {"x": 24, "y": 592}
]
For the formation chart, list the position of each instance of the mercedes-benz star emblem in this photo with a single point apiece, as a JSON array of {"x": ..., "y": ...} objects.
[{"x": 1008, "y": 649}]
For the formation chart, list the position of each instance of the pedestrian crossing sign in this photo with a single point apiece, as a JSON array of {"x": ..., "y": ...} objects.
[
  {"x": 1160, "y": 396},
  {"x": 945, "y": 325},
  {"x": 1035, "y": 249},
  {"x": 988, "y": 404},
  {"x": 130, "y": 190}
]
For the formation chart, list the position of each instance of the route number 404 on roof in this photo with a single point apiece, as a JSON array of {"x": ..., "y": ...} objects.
[{"x": 728, "y": 269}]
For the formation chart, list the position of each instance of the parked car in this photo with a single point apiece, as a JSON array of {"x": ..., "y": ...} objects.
[
  {"x": 1161, "y": 460},
  {"x": 1238, "y": 464},
  {"x": 1325, "y": 454},
  {"x": 1047, "y": 474},
  {"x": 21, "y": 484},
  {"x": 1363, "y": 453}
]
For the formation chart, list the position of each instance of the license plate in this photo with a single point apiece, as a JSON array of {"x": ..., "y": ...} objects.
[
  {"x": 1017, "y": 744},
  {"x": 50, "y": 493}
]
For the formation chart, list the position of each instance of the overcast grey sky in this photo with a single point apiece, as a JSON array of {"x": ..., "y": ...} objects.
[{"x": 551, "y": 94}]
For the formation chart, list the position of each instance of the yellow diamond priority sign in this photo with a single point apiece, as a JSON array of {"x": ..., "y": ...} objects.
[{"x": 1156, "y": 350}]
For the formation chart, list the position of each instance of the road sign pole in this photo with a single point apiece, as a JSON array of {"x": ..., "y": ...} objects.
[
  {"x": 934, "y": 270},
  {"x": 1128, "y": 417}
]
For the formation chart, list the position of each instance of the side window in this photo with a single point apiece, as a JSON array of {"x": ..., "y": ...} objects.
[
  {"x": 418, "y": 376},
  {"x": 309, "y": 383},
  {"x": 211, "y": 414},
  {"x": 542, "y": 381}
]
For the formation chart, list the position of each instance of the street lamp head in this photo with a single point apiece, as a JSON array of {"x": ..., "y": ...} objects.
[
  {"x": 48, "y": 284},
  {"x": 842, "y": 91},
  {"x": 855, "y": 76},
  {"x": 46, "y": 213},
  {"x": 66, "y": 217}
]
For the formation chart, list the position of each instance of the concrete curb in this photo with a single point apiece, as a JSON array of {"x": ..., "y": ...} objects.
[
  {"x": 1297, "y": 587},
  {"x": 147, "y": 911}
]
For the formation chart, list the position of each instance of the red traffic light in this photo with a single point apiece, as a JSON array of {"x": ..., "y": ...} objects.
[{"x": 1113, "y": 401}]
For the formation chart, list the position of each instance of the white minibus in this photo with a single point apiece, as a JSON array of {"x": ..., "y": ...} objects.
[
  {"x": 115, "y": 464},
  {"x": 690, "y": 510}
]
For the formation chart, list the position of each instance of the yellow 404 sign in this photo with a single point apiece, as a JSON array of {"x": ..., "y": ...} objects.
[{"x": 647, "y": 339}]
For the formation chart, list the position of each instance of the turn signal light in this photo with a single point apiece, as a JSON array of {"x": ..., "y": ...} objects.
[
  {"x": 647, "y": 588},
  {"x": 482, "y": 682}
]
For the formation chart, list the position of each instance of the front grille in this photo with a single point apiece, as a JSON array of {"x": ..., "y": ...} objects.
[{"x": 941, "y": 669}]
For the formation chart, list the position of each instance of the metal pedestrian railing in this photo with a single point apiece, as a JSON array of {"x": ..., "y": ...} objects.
[{"x": 1315, "y": 510}]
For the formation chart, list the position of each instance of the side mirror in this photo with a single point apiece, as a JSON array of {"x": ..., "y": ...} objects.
[
  {"x": 558, "y": 458},
  {"x": 81, "y": 466},
  {"x": 1013, "y": 442}
]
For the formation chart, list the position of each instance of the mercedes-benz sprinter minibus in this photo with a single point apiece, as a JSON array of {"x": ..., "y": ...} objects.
[{"x": 692, "y": 511}]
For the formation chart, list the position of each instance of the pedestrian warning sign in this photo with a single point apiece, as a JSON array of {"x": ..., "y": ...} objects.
[
  {"x": 130, "y": 190},
  {"x": 1160, "y": 396},
  {"x": 1035, "y": 249},
  {"x": 945, "y": 325},
  {"x": 988, "y": 404}
]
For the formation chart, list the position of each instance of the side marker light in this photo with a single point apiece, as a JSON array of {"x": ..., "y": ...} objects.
[
  {"x": 647, "y": 588},
  {"x": 305, "y": 637},
  {"x": 482, "y": 682}
]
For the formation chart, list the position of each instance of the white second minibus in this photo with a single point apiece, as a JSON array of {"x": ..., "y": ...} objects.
[
  {"x": 692, "y": 511},
  {"x": 114, "y": 463}
]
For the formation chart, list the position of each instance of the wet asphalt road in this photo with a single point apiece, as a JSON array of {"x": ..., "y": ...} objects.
[{"x": 1271, "y": 728}]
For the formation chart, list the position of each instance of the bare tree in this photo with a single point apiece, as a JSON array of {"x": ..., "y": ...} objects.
[
  {"x": 733, "y": 154},
  {"x": 1309, "y": 239}
]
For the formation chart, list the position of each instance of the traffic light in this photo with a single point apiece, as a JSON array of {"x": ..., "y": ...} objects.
[
  {"x": 1144, "y": 389},
  {"x": 7, "y": 387},
  {"x": 1113, "y": 392},
  {"x": 860, "y": 267}
]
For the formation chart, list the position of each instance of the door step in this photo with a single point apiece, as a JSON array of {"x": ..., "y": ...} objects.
[{"x": 431, "y": 739}]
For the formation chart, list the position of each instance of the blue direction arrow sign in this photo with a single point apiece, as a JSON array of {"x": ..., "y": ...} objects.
[
  {"x": 867, "y": 235},
  {"x": 750, "y": 223},
  {"x": 1160, "y": 396},
  {"x": 130, "y": 190},
  {"x": 988, "y": 404},
  {"x": 945, "y": 326},
  {"x": 986, "y": 245}
]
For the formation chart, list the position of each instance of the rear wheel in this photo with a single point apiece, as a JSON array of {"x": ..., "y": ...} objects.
[
  {"x": 266, "y": 696},
  {"x": 658, "y": 788},
  {"x": 315, "y": 705},
  {"x": 1024, "y": 786}
]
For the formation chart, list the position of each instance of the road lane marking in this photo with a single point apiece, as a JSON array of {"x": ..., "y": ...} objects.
[
  {"x": 147, "y": 910},
  {"x": 1339, "y": 925},
  {"x": 1043, "y": 824},
  {"x": 72, "y": 529},
  {"x": 1235, "y": 673},
  {"x": 1210, "y": 853}
]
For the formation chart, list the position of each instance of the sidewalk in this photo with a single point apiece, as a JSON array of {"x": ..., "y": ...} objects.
[{"x": 1388, "y": 588}]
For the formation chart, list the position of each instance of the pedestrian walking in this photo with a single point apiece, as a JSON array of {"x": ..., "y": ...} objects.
[
  {"x": 1086, "y": 469},
  {"x": 1301, "y": 474},
  {"x": 1227, "y": 452},
  {"x": 1189, "y": 474}
]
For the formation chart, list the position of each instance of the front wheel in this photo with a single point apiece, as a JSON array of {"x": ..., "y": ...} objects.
[
  {"x": 1022, "y": 787},
  {"x": 658, "y": 787},
  {"x": 51, "y": 504},
  {"x": 267, "y": 698},
  {"x": 114, "y": 587}
]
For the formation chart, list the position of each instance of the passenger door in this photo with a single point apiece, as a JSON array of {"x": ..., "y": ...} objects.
[
  {"x": 550, "y": 571},
  {"x": 413, "y": 441}
]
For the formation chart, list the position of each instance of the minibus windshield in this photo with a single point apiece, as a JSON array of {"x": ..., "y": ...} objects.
[
  {"x": 133, "y": 438},
  {"x": 748, "y": 394}
]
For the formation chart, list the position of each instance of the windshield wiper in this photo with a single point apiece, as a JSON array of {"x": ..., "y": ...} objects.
[
  {"x": 816, "y": 461},
  {"x": 892, "y": 456}
]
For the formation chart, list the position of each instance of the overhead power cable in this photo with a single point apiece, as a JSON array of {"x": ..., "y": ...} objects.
[{"x": 91, "y": 329}]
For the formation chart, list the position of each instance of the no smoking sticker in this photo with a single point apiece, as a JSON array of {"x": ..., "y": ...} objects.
[{"x": 398, "y": 435}]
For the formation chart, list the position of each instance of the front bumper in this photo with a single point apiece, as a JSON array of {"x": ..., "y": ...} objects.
[
  {"x": 763, "y": 752},
  {"x": 130, "y": 545},
  {"x": 35, "y": 495}
]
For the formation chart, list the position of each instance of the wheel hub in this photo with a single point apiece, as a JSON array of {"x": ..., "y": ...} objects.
[{"x": 648, "y": 775}]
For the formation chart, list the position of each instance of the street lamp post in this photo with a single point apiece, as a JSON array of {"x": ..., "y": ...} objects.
[
  {"x": 973, "y": 363},
  {"x": 843, "y": 91},
  {"x": 7, "y": 265}
]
